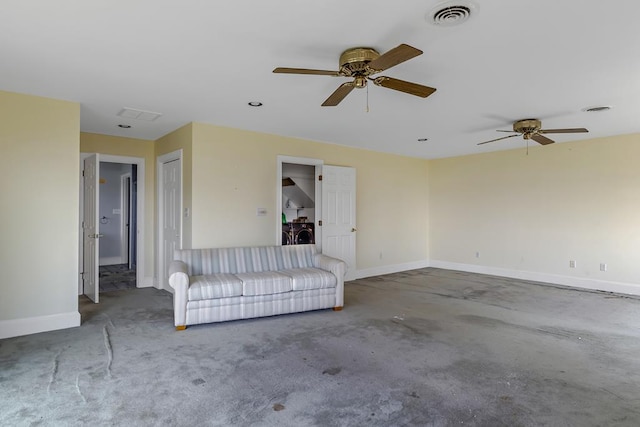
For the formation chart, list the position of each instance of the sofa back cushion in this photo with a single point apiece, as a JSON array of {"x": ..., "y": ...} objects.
[{"x": 246, "y": 260}]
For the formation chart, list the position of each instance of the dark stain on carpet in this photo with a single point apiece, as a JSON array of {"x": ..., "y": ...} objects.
[{"x": 332, "y": 371}]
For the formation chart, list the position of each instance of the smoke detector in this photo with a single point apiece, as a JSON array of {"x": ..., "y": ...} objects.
[{"x": 451, "y": 13}]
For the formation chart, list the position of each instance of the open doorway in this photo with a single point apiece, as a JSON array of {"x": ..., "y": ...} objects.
[
  {"x": 334, "y": 211},
  {"x": 112, "y": 224},
  {"x": 117, "y": 207},
  {"x": 299, "y": 203}
]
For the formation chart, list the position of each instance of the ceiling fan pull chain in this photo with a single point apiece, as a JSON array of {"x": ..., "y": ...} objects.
[{"x": 367, "y": 98}]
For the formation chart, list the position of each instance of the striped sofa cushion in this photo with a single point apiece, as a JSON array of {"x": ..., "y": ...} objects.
[
  {"x": 303, "y": 279},
  {"x": 217, "y": 285},
  {"x": 264, "y": 283}
]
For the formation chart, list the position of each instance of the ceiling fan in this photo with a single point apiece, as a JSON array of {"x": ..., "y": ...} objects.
[
  {"x": 363, "y": 62},
  {"x": 532, "y": 129}
]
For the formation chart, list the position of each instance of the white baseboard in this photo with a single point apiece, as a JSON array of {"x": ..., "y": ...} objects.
[
  {"x": 114, "y": 260},
  {"x": 33, "y": 325},
  {"x": 576, "y": 282},
  {"x": 147, "y": 282},
  {"x": 388, "y": 269}
]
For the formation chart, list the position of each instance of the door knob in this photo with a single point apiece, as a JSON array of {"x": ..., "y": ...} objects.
[{"x": 353, "y": 230}]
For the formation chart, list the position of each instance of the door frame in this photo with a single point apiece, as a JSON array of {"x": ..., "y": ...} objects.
[
  {"x": 125, "y": 220},
  {"x": 318, "y": 196},
  {"x": 160, "y": 161},
  {"x": 140, "y": 249}
]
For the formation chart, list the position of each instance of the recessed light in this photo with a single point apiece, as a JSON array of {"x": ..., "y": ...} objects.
[
  {"x": 597, "y": 109},
  {"x": 423, "y": 139},
  {"x": 124, "y": 126},
  {"x": 255, "y": 104}
]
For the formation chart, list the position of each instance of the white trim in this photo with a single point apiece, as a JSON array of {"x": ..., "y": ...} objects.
[
  {"x": 140, "y": 203},
  {"x": 318, "y": 196},
  {"x": 114, "y": 260},
  {"x": 33, "y": 325},
  {"x": 147, "y": 283},
  {"x": 575, "y": 282},
  {"x": 160, "y": 162},
  {"x": 389, "y": 269},
  {"x": 125, "y": 208}
]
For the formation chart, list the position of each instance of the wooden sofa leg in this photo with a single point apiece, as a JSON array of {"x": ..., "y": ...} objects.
[
  {"x": 337, "y": 308},
  {"x": 181, "y": 327}
]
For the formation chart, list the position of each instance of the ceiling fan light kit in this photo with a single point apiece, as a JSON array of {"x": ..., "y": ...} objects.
[{"x": 360, "y": 63}]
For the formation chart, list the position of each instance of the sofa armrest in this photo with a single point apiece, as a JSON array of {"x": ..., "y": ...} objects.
[
  {"x": 338, "y": 268},
  {"x": 179, "y": 281}
]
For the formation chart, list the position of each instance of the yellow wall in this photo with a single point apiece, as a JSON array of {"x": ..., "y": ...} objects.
[
  {"x": 130, "y": 147},
  {"x": 235, "y": 172},
  {"x": 521, "y": 213},
  {"x": 39, "y": 167},
  {"x": 571, "y": 201}
]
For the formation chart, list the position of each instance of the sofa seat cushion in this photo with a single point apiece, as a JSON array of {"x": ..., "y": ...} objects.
[
  {"x": 303, "y": 279},
  {"x": 217, "y": 285},
  {"x": 264, "y": 283}
]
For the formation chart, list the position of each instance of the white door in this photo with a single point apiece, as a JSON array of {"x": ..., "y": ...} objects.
[
  {"x": 91, "y": 228},
  {"x": 339, "y": 215},
  {"x": 171, "y": 216}
]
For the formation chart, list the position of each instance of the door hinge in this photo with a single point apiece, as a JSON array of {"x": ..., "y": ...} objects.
[
  {"x": 82, "y": 173},
  {"x": 319, "y": 177},
  {"x": 320, "y": 223}
]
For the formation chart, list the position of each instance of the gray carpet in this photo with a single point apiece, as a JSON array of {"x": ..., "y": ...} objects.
[
  {"x": 116, "y": 277},
  {"x": 422, "y": 348}
]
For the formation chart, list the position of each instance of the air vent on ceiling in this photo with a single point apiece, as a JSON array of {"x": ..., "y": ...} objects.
[
  {"x": 132, "y": 113},
  {"x": 451, "y": 13}
]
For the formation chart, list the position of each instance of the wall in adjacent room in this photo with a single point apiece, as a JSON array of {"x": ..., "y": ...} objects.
[
  {"x": 235, "y": 172},
  {"x": 39, "y": 168},
  {"x": 529, "y": 215},
  {"x": 110, "y": 221}
]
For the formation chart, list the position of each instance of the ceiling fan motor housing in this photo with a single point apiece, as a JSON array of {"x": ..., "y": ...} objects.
[
  {"x": 527, "y": 127},
  {"x": 355, "y": 62}
]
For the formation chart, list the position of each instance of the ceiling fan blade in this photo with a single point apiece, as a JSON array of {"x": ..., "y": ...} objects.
[
  {"x": 404, "y": 86},
  {"x": 498, "y": 139},
  {"x": 284, "y": 70},
  {"x": 395, "y": 56},
  {"x": 500, "y": 130},
  {"x": 336, "y": 97},
  {"x": 571, "y": 130},
  {"x": 543, "y": 140}
]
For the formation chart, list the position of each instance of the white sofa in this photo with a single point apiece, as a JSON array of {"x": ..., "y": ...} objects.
[{"x": 216, "y": 285}]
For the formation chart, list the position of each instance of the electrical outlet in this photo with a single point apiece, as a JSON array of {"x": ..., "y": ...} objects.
[
  {"x": 380, "y": 254},
  {"x": 261, "y": 211},
  {"x": 572, "y": 264},
  {"x": 477, "y": 254},
  {"x": 603, "y": 267}
]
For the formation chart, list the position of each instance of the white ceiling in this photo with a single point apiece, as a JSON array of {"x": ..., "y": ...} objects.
[{"x": 203, "y": 60}]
